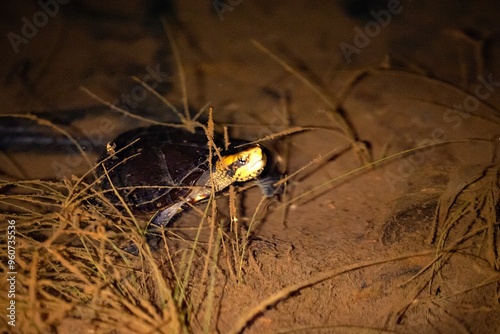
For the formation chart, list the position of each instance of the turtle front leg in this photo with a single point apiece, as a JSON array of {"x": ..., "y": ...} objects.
[{"x": 163, "y": 217}]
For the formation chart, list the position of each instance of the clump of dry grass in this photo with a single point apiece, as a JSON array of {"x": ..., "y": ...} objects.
[
  {"x": 69, "y": 265},
  {"x": 472, "y": 209}
]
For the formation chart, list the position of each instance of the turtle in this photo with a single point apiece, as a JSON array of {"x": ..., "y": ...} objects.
[{"x": 161, "y": 170}]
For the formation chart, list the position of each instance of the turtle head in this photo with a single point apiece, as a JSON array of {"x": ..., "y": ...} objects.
[
  {"x": 248, "y": 163},
  {"x": 244, "y": 165}
]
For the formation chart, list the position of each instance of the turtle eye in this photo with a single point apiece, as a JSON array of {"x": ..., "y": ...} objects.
[{"x": 243, "y": 160}]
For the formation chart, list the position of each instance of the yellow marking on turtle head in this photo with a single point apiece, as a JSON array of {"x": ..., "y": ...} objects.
[{"x": 244, "y": 165}]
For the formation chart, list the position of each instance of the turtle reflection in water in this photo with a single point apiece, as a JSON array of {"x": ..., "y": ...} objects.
[{"x": 162, "y": 170}]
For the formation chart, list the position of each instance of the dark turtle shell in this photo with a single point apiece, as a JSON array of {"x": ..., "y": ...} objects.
[{"x": 152, "y": 164}]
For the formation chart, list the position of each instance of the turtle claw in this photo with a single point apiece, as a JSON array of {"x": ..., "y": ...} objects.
[
  {"x": 152, "y": 240},
  {"x": 266, "y": 185},
  {"x": 131, "y": 249}
]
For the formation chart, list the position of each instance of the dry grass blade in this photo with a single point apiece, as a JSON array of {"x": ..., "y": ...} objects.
[
  {"x": 161, "y": 98},
  {"x": 180, "y": 69},
  {"x": 209, "y": 321},
  {"x": 280, "y": 134},
  {"x": 126, "y": 113}
]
